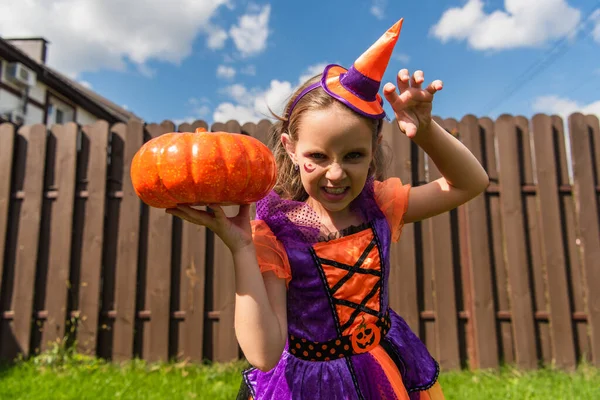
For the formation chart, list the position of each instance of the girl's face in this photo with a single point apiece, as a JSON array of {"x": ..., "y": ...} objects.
[{"x": 334, "y": 150}]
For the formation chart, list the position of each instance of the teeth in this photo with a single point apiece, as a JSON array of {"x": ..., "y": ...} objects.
[{"x": 335, "y": 190}]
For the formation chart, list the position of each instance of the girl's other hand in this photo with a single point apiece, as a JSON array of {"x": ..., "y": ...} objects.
[
  {"x": 235, "y": 231},
  {"x": 412, "y": 104}
]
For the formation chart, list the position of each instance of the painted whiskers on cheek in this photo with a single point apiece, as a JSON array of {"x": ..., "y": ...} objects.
[{"x": 309, "y": 168}]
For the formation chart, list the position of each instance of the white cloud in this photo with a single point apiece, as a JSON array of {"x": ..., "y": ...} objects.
[
  {"x": 520, "y": 24},
  {"x": 96, "y": 34},
  {"x": 223, "y": 71},
  {"x": 563, "y": 106},
  {"x": 252, "y": 105},
  {"x": 228, "y": 111},
  {"x": 378, "y": 8},
  {"x": 216, "y": 38},
  {"x": 251, "y": 33}
]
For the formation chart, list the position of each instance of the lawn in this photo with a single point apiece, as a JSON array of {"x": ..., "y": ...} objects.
[{"x": 56, "y": 376}]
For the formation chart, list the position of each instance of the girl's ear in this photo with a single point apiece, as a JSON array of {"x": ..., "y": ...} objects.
[{"x": 289, "y": 146}]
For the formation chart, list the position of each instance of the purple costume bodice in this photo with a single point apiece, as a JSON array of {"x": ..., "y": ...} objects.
[{"x": 311, "y": 315}]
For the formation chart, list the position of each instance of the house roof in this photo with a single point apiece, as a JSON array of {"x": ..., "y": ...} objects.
[{"x": 86, "y": 98}]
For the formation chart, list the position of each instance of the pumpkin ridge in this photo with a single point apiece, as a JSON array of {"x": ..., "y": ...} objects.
[
  {"x": 149, "y": 193},
  {"x": 159, "y": 164},
  {"x": 249, "y": 173},
  {"x": 221, "y": 145}
]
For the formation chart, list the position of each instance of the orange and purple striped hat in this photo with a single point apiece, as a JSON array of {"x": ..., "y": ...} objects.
[{"x": 358, "y": 86}]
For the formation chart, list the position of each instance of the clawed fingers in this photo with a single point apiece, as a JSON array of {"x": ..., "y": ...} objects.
[
  {"x": 390, "y": 93},
  {"x": 435, "y": 86},
  {"x": 405, "y": 81},
  {"x": 417, "y": 79}
]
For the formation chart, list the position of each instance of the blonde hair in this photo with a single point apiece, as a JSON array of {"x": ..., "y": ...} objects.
[{"x": 289, "y": 185}]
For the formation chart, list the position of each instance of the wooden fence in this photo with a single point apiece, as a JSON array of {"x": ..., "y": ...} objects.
[{"x": 512, "y": 276}]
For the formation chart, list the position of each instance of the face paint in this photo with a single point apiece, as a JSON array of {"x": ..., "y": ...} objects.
[{"x": 309, "y": 168}]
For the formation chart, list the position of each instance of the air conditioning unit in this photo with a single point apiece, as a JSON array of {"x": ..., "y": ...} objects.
[
  {"x": 16, "y": 117},
  {"x": 20, "y": 74}
]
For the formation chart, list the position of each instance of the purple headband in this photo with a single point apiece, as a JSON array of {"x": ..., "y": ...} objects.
[{"x": 302, "y": 93}]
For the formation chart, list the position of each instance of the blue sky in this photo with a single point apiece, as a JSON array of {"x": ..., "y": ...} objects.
[{"x": 228, "y": 59}]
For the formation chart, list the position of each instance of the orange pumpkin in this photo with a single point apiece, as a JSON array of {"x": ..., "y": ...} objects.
[
  {"x": 366, "y": 337},
  {"x": 202, "y": 168}
]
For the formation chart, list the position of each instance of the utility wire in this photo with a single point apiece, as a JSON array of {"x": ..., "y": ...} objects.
[{"x": 559, "y": 49}]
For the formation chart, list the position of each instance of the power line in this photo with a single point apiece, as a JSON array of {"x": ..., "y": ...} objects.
[{"x": 559, "y": 49}]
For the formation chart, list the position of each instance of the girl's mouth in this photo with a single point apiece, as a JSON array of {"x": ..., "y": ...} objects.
[{"x": 334, "y": 193}]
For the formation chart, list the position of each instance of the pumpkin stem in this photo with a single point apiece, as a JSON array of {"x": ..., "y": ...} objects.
[
  {"x": 362, "y": 325},
  {"x": 200, "y": 129}
]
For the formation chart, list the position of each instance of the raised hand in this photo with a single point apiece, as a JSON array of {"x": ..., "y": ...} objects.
[
  {"x": 411, "y": 103},
  {"x": 235, "y": 232}
]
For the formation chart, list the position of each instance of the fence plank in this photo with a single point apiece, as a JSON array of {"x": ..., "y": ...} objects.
[
  {"x": 56, "y": 284},
  {"x": 477, "y": 259},
  {"x": 544, "y": 136},
  {"x": 534, "y": 236},
  {"x": 505, "y": 341},
  {"x": 425, "y": 275},
  {"x": 158, "y": 273},
  {"x": 7, "y": 138},
  {"x": 586, "y": 207},
  {"x": 29, "y": 177},
  {"x": 192, "y": 283},
  {"x": 403, "y": 268},
  {"x": 516, "y": 244},
  {"x": 126, "y": 141},
  {"x": 573, "y": 262},
  {"x": 225, "y": 345},
  {"x": 259, "y": 131},
  {"x": 443, "y": 258},
  {"x": 93, "y": 236}
]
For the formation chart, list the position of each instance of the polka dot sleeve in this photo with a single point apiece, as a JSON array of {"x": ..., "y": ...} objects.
[
  {"x": 391, "y": 196},
  {"x": 270, "y": 252}
]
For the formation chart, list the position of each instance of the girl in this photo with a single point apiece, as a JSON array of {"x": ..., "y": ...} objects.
[{"x": 311, "y": 270}]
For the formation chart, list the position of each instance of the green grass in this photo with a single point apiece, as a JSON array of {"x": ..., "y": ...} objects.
[
  {"x": 511, "y": 384},
  {"x": 61, "y": 375}
]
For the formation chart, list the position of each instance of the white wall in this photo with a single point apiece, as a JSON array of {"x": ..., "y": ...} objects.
[
  {"x": 10, "y": 101},
  {"x": 84, "y": 117}
]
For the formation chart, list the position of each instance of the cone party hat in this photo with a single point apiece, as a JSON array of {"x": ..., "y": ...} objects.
[{"x": 358, "y": 86}]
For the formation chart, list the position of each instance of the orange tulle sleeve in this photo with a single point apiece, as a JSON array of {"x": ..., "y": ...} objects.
[
  {"x": 270, "y": 252},
  {"x": 391, "y": 196}
]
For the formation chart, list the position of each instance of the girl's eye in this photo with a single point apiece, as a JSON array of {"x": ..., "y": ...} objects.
[
  {"x": 354, "y": 155},
  {"x": 317, "y": 156}
]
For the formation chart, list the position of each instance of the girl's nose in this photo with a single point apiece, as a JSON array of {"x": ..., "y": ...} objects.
[{"x": 335, "y": 172}]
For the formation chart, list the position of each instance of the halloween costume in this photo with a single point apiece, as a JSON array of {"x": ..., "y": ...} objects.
[{"x": 344, "y": 342}]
